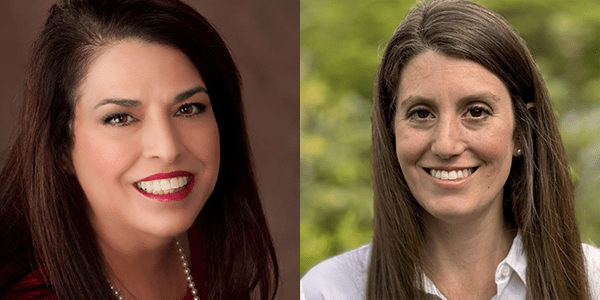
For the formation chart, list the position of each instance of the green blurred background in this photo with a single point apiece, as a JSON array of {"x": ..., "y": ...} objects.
[{"x": 341, "y": 45}]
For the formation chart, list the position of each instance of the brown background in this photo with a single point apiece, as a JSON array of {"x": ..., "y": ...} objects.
[{"x": 264, "y": 37}]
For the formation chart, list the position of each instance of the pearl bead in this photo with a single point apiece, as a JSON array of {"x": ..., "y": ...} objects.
[{"x": 186, "y": 270}]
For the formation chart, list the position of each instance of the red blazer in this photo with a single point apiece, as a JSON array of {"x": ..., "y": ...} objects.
[{"x": 36, "y": 278}]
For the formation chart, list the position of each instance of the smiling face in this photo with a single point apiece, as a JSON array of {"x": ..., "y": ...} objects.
[
  {"x": 146, "y": 146},
  {"x": 454, "y": 136}
]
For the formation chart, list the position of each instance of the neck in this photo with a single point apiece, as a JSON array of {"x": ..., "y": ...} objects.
[
  {"x": 145, "y": 268},
  {"x": 461, "y": 258}
]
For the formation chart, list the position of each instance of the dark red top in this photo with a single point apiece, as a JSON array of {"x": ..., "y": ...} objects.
[{"x": 36, "y": 278}]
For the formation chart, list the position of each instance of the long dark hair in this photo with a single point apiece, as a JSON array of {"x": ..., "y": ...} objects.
[
  {"x": 538, "y": 195},
  {"x": 41, "y": 202}
]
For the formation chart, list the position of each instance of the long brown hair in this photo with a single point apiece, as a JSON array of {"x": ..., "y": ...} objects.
[
  {"x": 41, "y": 202},
  {"x": 538, "y": 195}
]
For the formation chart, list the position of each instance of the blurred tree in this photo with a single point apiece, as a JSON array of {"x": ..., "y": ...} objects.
[{"x": 341, "y": 44}]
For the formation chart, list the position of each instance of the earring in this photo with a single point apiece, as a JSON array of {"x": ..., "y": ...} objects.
[{"x": 519, "y": 152}]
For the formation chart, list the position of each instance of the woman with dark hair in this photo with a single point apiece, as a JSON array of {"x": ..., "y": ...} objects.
[
  {"x": 129, "y": 175},
  {"x": 473, "y": 198}
]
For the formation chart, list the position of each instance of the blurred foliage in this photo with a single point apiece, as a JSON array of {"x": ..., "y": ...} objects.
[{"x": 341, "y": 44}]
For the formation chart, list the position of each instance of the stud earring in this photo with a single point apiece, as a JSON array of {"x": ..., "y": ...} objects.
[{"x": 519, "y": 152}]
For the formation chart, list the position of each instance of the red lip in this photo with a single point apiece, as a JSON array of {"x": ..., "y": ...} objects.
[
  {"x": 171, "y": 197},
  {"x": 174, "y": 196},
  {"x": 159, "y": 176}
]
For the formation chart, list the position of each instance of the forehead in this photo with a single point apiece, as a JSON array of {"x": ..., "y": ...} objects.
[
  {"x": 437, "y": 76},
  {"x": 136, "y": 70}
]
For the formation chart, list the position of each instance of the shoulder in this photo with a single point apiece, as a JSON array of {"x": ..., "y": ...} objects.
[
  {"x": 31, "y": 286},
  {"x": 340, "y": 277},
  {"x": 592, "y": 258}
]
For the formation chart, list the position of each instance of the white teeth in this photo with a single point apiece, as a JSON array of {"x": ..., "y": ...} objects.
[
  {"x": 164, "y": 186},
  {"x": 451, "y": 175},
  {"x": 444, "y": 175},
  {"x": 174, "y": 182}
]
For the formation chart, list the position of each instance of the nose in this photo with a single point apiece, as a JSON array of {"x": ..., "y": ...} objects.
[
  {"x": 447, "y": 140},
  {"x": 162, "y": 141}
]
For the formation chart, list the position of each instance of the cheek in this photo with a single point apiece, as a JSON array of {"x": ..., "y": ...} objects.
[
  {"x": 494, "y": 147},
  {"x": 98, "y": 159},
  {"x": 201, "y": 141},
  {"x": 206, "y": 145},
  {"x": 410, "y": 145}
]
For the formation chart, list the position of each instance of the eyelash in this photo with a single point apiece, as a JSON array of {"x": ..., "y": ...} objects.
[
  {"x": 412, "y": 114},
  {"x": 108, "y": 119},
  {"x": 485, "y": 112}
]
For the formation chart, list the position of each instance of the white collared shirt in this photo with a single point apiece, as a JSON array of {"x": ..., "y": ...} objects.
[{"x": 345, "y": 276}]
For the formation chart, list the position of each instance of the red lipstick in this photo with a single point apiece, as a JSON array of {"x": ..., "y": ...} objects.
[{"x": 172, "y": 196}]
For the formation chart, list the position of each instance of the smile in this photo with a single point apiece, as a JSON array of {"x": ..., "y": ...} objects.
[
  {"x": 451, "y": 175},
  {"x": 166, "y": 187}
]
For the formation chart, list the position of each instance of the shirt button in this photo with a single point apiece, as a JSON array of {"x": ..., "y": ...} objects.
[{"x": 505, "y": 270}]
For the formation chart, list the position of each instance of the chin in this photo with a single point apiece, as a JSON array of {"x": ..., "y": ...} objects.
[
  {"x": 170, "y": 226},
  {"x": 454, "y": 214}
]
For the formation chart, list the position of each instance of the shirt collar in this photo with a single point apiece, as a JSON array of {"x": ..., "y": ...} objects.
[{"x": 515, "y": 259}]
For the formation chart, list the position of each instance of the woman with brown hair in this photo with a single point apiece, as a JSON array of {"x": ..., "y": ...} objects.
[
  {"x": 473, "y": 198},
  {"x": 130, "y": 174}
]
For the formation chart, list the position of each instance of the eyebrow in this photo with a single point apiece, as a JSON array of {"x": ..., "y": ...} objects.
[
  {"x": 129, "y": 103},
  {"x": 469, "y": 98}
]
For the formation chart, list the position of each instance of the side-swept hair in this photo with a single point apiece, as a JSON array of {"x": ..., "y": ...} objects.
[
  {"x": 41, "y": 202},
  {"x": 538, "y": 195}
]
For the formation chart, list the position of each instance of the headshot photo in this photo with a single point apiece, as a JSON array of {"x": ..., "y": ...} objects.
[
  {"x": 149, "y": 149},
  {"x": 449, "y": 150}
]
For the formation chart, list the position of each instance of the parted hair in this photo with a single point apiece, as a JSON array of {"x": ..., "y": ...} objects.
[
  {"x": 538, "y": 194},
  {"x": 43, "y": 223}
]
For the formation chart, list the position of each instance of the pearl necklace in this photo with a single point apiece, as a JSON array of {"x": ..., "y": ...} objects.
[{"x": 186, "y": 271}]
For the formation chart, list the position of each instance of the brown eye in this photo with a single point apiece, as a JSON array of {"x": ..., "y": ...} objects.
[
  {"x": 419, "y": 114},
  {"x": 186, "y": 109},
  {"x": 422, "y": 114},
  {"x": 477, "y": 112},
  {"x": 119, "y": 120},
  {"x": 190, "y": 109}
]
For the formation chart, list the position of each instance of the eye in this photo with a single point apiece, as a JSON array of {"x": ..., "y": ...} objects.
[
  {"x": 119, "y": 119},
  {"x": 419, "y": 114},
  {"x": 477, "y": 112},
  {"x": 190, "y": 109}
]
